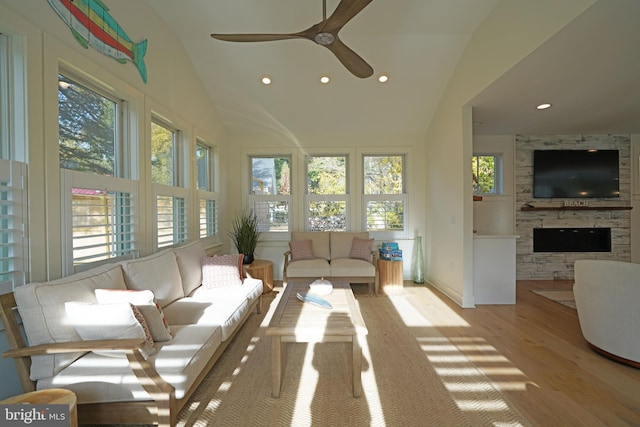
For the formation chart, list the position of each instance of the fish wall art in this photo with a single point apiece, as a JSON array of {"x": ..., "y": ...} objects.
[{"x": 92, "y": 25}]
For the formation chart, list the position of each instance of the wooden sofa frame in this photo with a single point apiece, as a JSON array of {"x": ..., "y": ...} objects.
[
  {"x": 162, "y": 410},
  {"x": 373, "y": 286}
]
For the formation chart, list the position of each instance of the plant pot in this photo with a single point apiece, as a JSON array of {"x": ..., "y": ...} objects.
[{"x": 248, "y": 259}]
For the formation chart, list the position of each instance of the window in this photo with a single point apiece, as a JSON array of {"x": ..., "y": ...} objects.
[
  {"x": 13, "y": 213},
  {"x": 385, "y": 198},
  {"x": 207, "y": 196},
  {"x": 171, "y": 225},
  {"x": 98, "y": 206},
  {"x": 88, "y": 128},
  {"x": 5, "y": 96},
  {"x": 486, "y": 174},
  {"x": 327, "y": 202},
  {"x": 270, "y": 192}
]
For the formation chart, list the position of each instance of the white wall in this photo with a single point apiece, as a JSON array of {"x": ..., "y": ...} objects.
[
  {"x": 495, "y": 213},
  {"x": 354, "y": 145},
  {"x": 512, "y": 31},
  {"x": 173, "y": 86}
]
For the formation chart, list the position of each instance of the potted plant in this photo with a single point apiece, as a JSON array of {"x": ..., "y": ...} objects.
[{"x": 245, "y": 233}]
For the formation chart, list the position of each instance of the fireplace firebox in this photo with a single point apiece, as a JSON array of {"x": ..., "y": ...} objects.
[{"x": 572, "y": 239}]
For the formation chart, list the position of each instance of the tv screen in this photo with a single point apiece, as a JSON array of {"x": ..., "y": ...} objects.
[{"x": 575, "y": 174}]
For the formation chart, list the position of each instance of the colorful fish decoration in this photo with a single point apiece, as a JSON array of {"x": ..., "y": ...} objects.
[{"x": 92, "y": 25}]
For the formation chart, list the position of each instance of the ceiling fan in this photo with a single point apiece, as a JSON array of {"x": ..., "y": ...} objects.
[{"x": 324, "y": 33}]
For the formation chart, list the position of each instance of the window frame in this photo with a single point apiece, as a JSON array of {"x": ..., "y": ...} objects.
[
  {"x": 209, "y": 195},
  {"x": 329, "y": 198},
  {"x": 13, "y": 238},
  {"x": 397, "y": 197},
  {"x": 121, "y": 182},
  {"x": 178, "y": 192},
  {"x": 253, "y": 199},
  {"x": 498, "y": 180}
]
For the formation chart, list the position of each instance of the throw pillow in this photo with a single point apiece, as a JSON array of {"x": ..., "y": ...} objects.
[
  {"x": 301, "y": 250},
  {"x": 144, "y": 301},
  {"x": 361, "y": 249},
  {"x": 109, "y": 322},
  {"x": 221, "y": 270}
]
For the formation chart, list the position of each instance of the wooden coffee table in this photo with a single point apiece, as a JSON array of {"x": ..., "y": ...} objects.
[{"x": 297, "y": 321}]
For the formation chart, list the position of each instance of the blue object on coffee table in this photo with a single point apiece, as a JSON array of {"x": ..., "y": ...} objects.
[{"x": 314, "y": 299}]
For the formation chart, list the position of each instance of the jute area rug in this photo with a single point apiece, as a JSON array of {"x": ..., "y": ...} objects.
[
  {"x": 562, "y": 297},
  {"x": 412, "y": 376}
]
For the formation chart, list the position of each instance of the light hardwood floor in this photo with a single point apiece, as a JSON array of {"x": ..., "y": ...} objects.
[{"x": 535, "y": 353}]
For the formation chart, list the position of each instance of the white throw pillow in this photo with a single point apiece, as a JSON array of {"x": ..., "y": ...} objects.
[
  {"x": 109, "y": 322},
  {"x": 145, "y": 302}
]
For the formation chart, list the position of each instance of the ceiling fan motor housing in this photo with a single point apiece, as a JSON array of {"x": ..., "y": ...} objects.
[{"x": 324, "y": 39}]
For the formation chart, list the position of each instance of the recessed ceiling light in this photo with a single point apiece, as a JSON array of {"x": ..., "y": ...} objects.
[
  {"x": 383, "y": 78},
  {"x": 543, "y": 106},
  {"x": 265, "y": 79},
  {"x": 325, "y": 78}
]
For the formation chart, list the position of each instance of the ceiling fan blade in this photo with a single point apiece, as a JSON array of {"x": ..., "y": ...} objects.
[
  {"x": 344, "y": 12},
  {"x": 254, "y": 37},
  {"x": 351, "y": 60}
]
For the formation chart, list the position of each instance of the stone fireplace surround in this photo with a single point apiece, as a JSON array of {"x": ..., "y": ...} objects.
[{"x": 600, "y": 213}]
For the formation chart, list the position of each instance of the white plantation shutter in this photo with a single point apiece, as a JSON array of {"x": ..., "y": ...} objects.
[
  {"x": 99, "y": 217},
  {"x": 13, "y": 212},
  {"x": 208, "y": 214},
  {"x": 171, "y": 215}
]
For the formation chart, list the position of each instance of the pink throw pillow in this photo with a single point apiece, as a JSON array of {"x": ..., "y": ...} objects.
[
  {"x": 221, "y": 270},
  {"x": 361, "y": 249},
  {"x": 301, "y": 250}
]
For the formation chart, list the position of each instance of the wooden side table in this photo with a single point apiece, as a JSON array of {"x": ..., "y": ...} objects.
[
  {"x": 52, "y": 396},
  {"x": 261, "y": 269},
  {"x": 390, "y": 276}
]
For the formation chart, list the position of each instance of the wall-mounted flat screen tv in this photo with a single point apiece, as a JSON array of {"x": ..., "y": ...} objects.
[{"x": 569, "y": 174}]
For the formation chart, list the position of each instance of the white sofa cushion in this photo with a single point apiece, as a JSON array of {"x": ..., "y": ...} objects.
[
  {"x": 158, "y": 273},
  {"x": 319, "y": 242},
  {"x": 309, "y": 268},
  {"x": 251, "y": 288},
  {"x": 188, "y": 258},
  {"x": 145, "y": 302},
  {"x": 96, "y": 378},
  {"x": 109, "y": 322},
  {"x": 340, "y": 243},
  {"x": 224, "y": 307},
  {"x": 347, "y": 267},
  {"x": 41, "y": 306}
]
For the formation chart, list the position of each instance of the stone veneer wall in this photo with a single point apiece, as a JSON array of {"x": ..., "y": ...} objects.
[{"x": 559, "y": 266}]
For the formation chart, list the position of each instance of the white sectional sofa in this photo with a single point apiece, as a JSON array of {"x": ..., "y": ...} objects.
[
  {"x": 607, "y": 295},
  {"x": 335, "y": 255},
  {"x": 136, "y": 384}
]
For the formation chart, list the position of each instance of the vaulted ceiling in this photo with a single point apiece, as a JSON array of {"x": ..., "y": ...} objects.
[{"x": 590, "y": 70}]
